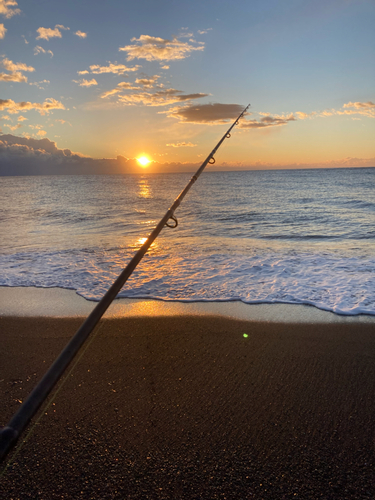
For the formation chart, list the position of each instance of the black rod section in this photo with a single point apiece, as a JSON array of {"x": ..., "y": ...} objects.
[{"x": 9, "y": 435}]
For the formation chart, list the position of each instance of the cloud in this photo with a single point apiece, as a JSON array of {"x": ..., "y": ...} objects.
[
  {"x": 359, "y": 105},
  {"x": 29, "y": 156},
  {"x": 158, "y": 49},
  {"x": 39, "y": 50},
  {"x": 202, "y": 32},
  {"x": 13, "y": 77},
  {"x": 360, "y": 108},
  {"x": 182, "y": 145},
  {"x": 120, "y": 87},
  {"x": 38, "y": 84},
  {"x": 86, "y": 83},
  {"x": 47, "y": 33},
  {"x": 117, "y": 69},
  {"x": 3, "y": 30},
  {"x": 81, "y": 34},
  {"x": 7, "y": 8},
  {"x": 13, "y": 127},
  {"x": 21, "y": 119},
  {"x": 41, "y": 133},
  {"x": 304, "y": 116},
  {"x": 34, "y": 156},
  {"x": 214, "y": 114},
  {"x": 267, "y": 121},
  {"x": 350, "y": 108},
  {"x": 160, "y": 98},
  {"x": 11, "y": 66},
  {"x": 147, "y": 82},
  {"x": 15, "y": 69},
  {"x": 43, "y": 108}
]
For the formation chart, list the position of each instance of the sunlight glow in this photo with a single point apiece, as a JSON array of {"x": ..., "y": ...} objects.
[{"x": 143, "y": 161}]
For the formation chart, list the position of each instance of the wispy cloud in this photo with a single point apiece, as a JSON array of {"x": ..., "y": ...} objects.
[
  {"x": 8, "y": 8},
  {"x": 267, "y": 121},
  {"x": 147, "y": 82},
  {"x": 48, "y": 33},
  {"x": 203, "y": 32},
  {"x": 43, "y": 108},
  {"x": 360, "y": 105},
  {"x": 214, "y": 114},
  {"x": 349, "y": 108},
  {"x": 39, "y": 84},
  {"x": 3, "y": 30},
  {"x": 11, "y": 66},
  {"x": 181, "y": 145},
  {"x": 359, "y": 108},
  {"x": 81, "y": 34},
  {"x": 159, "y": 49},
  {"x": 86, "y": 83},
  {"x": 15, "y": 71},
  {"x": 39, "y": 50},
  {"x": 13, "y": 127},
  {"x": 116, "y": 69},
  {"x": 120, "y": 88},
  {"x": 159, "y": 98}
]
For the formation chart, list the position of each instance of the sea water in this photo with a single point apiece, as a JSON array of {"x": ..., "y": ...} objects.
[{"x": 287, "y": 236}]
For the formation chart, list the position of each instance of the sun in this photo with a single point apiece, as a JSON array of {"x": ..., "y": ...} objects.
[{"x": 143, "y": 161}]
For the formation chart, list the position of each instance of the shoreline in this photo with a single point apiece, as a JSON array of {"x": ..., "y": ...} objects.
[
  {"x": 187, "y": 407},
  {"x": 63, "y": 303}
]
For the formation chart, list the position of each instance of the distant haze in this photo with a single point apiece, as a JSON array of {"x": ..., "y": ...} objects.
[{"x": 27, "y": 156}]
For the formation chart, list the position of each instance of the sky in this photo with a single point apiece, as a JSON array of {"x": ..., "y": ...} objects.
[{"x": 89, "y": 86}]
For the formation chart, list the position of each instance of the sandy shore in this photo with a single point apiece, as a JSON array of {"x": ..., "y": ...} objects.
[{"x": 186, "y": 407}]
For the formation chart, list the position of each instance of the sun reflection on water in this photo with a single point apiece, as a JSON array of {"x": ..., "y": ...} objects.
[
  {"x": 144, "y": 188},
  {"x": 140, "y": 241}
]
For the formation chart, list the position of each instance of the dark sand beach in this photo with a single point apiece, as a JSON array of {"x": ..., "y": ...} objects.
[{"x": 186, "y": 407}]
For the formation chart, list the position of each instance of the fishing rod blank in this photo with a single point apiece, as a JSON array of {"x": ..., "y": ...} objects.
[{"x": 9, "y": 435}]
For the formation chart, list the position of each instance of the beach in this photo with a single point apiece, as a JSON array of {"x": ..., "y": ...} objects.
[{"x": 194, "y": 406}]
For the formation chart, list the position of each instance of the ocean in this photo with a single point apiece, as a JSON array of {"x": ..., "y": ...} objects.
[{"x": 286, "y": 236}]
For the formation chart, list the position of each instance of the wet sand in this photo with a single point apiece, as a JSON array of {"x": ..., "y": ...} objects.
[{"x": 186, "y": 407}]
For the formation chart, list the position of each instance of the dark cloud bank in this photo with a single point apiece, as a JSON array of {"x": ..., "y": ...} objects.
[{"x": 26, "y": 156}]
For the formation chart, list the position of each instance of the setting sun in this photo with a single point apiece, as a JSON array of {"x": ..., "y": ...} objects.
[{"x": 143, "y": 161}]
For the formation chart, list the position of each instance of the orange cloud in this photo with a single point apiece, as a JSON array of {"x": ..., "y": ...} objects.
[
  {"x": 160, "y": 98},
  {"x": 147, "y": 82},
  {"x": 267, "y": 121},
  {"x": 86, "y": 83},
  {"x": 16, "y": 107},
  {"x": 159, "y": 49},
  {"x": 15, "y": 69},
  {"x": 47, "y": 33},
  {"x": 3, "y": 30},
  {"x": 116, "y": 69},
  {"x": 7, "y": 8}
]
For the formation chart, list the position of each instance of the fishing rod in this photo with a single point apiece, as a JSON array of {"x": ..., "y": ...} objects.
[{"x": 10, "y": 434}]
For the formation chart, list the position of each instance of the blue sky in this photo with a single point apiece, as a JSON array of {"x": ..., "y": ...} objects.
[{"x": 165, "y": 79}]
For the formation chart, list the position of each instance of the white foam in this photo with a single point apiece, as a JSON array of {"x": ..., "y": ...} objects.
[{"x": 57, "y": 302}]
